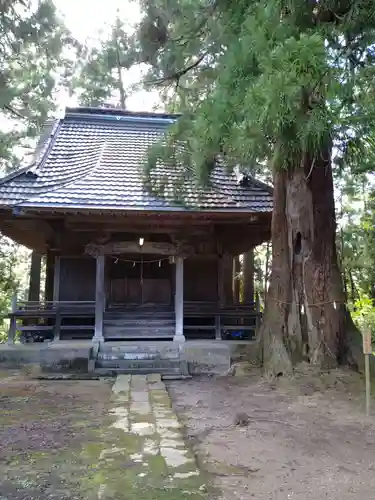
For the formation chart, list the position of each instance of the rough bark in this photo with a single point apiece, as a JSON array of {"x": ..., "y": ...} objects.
[{"x": 306, "y": 317}]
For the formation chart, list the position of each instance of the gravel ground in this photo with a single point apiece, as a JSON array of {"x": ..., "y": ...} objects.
[{"x": 302, "y": 439}]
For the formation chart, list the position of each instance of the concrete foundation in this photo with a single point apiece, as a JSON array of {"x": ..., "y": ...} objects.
[{"x": 202, "y": 356}]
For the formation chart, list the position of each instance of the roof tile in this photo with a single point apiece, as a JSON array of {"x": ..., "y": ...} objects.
[{"x": 95, "y": 160}]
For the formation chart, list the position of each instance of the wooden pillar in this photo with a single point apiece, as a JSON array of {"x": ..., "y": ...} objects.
[
  {"x": 13, "y": 321},
  {"x": 34, "y": 281},
  {"x": 179, "y": 300},
  {"x": 225, "y": 280},
  {"x": 99, "y": 298},
  {"x": 48, "y": 287},
  {"x": 248, "y": 274},
  {"x": 56, "y": 279},
  {"x": 236, "y": 279}
]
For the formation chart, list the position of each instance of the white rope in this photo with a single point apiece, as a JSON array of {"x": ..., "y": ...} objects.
[{"x": 133, "y": 261}]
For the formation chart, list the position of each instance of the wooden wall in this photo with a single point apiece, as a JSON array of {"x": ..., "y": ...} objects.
[
  {"x": 77, "y": 278},
  {"x": 78, "y": 275},
  {"x": 200, "y": 279}
]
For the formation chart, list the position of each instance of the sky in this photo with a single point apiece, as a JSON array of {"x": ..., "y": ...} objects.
[{"x": 86, "y": 19}]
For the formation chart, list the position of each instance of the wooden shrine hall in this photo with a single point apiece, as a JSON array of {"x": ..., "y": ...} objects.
[{"x": 121, "y": 262}]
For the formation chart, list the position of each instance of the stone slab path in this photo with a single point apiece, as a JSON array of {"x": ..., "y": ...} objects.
[{"x": 146, "y": 452}]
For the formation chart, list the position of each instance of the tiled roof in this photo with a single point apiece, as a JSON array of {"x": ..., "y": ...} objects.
[{"x": 93, "y": 159}]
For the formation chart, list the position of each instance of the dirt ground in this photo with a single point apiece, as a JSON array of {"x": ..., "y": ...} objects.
[
  {"x": 107, "y": 439},
  {"x": 45, "y": 431},
  {"x": 300, "y": 439},
  {"x": 303, "y": 438}
]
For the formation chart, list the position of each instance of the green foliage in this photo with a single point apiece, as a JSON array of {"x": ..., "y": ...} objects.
[
  {"x": 363, "y": 314},
  {"x": 101, "y": 76},
  {"x": 35, "y": 61},
  {"x": 264, "y": 82},
  {"x": 14, "y": 263},
  {"x": 356, "y": 219}
]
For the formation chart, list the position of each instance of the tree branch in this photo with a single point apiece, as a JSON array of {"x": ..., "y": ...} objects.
[
  {"x": 15, "y": 112},
  {"x": 178, "y": 74}
]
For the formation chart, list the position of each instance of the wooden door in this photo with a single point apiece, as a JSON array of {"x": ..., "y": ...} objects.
[
  {"x": 133, "y": 291},
  {"x": 156, "y": 291},
  {"x": 118, "y": 291},
  {"x": 141, "y": 283}
]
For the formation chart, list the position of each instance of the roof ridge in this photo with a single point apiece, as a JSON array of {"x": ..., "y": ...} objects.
[{"x": 98, "y": 111}]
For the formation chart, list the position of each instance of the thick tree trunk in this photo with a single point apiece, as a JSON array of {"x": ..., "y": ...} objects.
[{"x": 305, "y": 317}]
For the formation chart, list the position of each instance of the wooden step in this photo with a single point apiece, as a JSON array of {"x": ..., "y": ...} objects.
[
  {"x": 144, "y": 320},
  {"x": 139, "y": 314},
  {"x": 131, "y": 335},
  {"x": 131, "y": 323}
]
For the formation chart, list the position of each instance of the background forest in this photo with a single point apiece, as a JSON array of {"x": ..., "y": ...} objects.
[{"x": 44, "y": 66}]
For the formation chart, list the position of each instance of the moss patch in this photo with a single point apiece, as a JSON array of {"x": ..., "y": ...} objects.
[{"x": 69, "y": 448}]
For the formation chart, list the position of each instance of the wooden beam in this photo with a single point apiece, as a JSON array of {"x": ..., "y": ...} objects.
[
  {"x": 146, "y": 247},
  {"x": 132, "y": 226},
  {"x": 29, "y": 225},
  {"x": 29, "y": 239}
]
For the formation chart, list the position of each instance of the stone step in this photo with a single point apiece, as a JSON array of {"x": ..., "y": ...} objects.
[
  {"x": 142, "y": 347},
  {"x": 138, "y": 359},
  {"x": 139, "y": 352},
  {"x": 142, "y": 366},
  {"x": 172, "y": 375},
  {"x": 138, "y": 363},
  {"x": 113, "y": 355}
]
